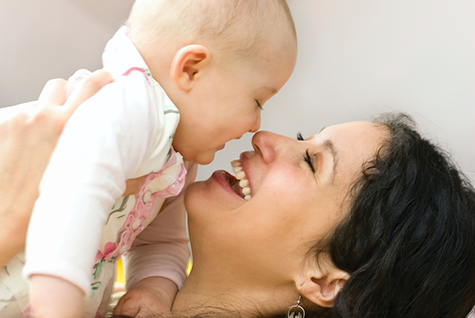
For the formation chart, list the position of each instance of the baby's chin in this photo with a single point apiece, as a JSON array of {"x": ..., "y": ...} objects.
[
  {"x": 201, "y": 157},
  {"x": 204, "y": 158}
]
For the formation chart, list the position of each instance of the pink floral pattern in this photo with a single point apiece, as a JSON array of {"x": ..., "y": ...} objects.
[
  {"x": 28, "y": 312},
  {"x": 133, "y": 224},
  {"x": 106, "y": 255}
]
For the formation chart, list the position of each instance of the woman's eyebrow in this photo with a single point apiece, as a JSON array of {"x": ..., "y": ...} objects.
[{"x": 330, "y": 146}]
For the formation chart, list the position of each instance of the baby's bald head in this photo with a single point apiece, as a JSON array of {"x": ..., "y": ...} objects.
[{"x": 240, "y": 29}]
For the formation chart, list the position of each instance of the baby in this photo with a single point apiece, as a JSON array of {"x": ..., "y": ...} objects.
[{"x": 190, "y": 75}]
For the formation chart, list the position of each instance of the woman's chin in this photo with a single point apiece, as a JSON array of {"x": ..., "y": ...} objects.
[{"x": 213, "y": 196}]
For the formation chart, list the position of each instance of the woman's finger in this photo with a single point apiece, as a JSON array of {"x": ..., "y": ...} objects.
[
  {"x": 88, "y": 87},
  {"x": 53, "y": 93}
]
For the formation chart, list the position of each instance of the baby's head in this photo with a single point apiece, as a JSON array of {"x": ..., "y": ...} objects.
[{"x": 219, "y": 61}]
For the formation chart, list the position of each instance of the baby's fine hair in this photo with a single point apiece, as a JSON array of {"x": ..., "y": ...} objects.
[{"x": 237, "y": 27}]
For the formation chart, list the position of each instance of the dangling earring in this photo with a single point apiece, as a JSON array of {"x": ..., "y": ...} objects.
[{"x": 296, "y": 311}]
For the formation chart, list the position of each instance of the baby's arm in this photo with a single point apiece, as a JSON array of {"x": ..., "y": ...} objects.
[
  {"x": 102, "y": 145},
  {"x": 53, "y": 297},
  {"x": 156, "y": 264}
]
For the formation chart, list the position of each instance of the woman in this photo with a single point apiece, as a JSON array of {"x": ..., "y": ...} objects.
[{"x": 361, "y": 220}]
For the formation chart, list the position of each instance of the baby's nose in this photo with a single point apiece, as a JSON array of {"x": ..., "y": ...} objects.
[{"x": 257, "y": 124}]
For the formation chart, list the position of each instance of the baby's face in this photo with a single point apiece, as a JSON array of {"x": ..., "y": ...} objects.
[{"x": 226, "y": 103}]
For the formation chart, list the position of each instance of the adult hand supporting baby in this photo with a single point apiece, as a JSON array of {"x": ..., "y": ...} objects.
[
  {"x": 152, "y": 295},
  {"x": 26, "y": 142}
]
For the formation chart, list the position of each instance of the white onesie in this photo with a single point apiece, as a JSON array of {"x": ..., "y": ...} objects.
[{"x": 125, "y": 131}]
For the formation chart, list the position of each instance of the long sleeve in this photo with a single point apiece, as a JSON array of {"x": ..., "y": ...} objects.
[
  {"x": 102, "y": 145},
  {"x": 162, "y": 248}
]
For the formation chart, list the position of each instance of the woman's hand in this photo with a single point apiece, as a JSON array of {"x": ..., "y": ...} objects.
[
  {"x": 26, "y": 142},
  {"x": 153, "y": 295}
]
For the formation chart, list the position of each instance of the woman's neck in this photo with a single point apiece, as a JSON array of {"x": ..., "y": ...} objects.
[
  {"x": 198, "y": 295},
  {"x": 227, "y": 296}
]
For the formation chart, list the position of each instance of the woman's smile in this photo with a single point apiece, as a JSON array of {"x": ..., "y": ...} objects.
[{"x": 239, "y": 182}]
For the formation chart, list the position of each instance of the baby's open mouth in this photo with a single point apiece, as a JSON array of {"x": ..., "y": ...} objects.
[{"x": 240, "y": 184}]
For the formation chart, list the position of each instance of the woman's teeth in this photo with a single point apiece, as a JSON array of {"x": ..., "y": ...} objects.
[{"x": 241, "y": 176}]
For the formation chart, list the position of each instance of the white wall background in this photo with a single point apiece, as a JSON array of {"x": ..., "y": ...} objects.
[{"x": 356, "y": 58}]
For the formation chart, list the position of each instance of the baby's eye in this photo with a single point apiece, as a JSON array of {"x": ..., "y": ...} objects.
[{"x": 258, "y": 104}]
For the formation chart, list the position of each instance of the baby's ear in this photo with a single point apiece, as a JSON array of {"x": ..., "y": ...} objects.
[
  {"x": 322, "y": 284},
  {"x": 188, "y": 65}
]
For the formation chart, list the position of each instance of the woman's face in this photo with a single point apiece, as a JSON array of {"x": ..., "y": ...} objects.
[{"x": 295, "y": 200}]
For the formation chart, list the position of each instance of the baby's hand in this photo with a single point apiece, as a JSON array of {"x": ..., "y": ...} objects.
[{"x": 151, "y": 295}]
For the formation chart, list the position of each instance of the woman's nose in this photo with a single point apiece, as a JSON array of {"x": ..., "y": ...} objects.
[{"x": 266, "y": 143}]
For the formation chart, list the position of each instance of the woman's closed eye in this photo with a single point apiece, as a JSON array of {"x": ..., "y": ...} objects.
[{"x": 308, "y": 159}]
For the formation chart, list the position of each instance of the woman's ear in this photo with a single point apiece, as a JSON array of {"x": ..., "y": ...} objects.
[
  {"x": 188, "y": 65},
  {"x": 322, "y": 284}
]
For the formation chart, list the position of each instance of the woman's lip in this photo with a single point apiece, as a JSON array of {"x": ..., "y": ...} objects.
[{"x": 219, "y": 177}]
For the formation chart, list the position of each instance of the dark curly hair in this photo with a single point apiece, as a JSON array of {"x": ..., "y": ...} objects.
[{"x": 408, "y": 241}]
